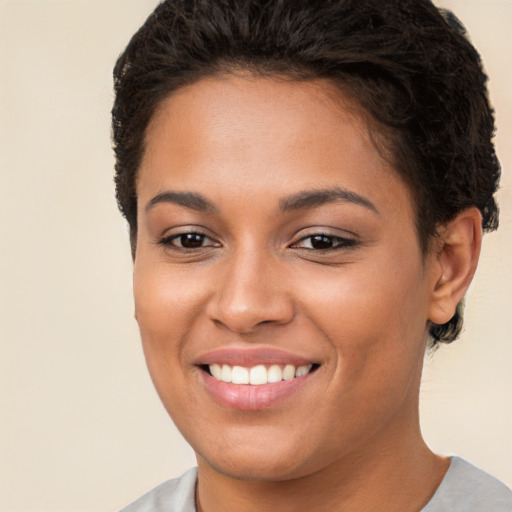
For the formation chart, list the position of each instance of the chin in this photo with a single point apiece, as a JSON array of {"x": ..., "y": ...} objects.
[
  {"x": 274, "y": 458},
  {"x": 262, "y": 468}
]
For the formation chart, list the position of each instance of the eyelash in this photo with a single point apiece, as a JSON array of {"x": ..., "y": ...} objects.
[
  {"x": 168, "y": 241},
  {"x": 338, "y": 242}
]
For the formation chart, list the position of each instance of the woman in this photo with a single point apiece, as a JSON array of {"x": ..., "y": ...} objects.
[{"x": 306, "y": 184}]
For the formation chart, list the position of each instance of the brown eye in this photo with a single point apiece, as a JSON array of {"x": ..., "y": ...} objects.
[
  {"x": 321, "y": 242},
  {"x": 190, "y": 240}
]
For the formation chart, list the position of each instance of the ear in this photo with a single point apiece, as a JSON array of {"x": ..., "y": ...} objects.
[{"x": 453, "y": 262}]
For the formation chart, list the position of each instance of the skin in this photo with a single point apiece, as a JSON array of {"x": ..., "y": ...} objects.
[{"x": 350, "y": 438}]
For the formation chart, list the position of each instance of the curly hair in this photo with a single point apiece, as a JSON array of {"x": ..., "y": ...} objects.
[{"x": 408, "y": 64}]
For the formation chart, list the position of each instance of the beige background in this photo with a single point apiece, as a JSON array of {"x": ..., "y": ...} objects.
[{"x": 81, "y": 426}]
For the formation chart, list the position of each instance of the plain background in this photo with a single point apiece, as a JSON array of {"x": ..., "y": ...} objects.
[{"x": 81, "y": 426}]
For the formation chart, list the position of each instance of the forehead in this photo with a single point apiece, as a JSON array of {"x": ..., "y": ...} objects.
[
  {"x": 254, "y": 106},
  {"x": 261, "y": 135}
]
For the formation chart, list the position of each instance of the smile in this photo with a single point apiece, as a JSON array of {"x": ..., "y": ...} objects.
[
  {"x": 255, "y": 378},
  {"x": 256, "y": 387},
  {"x": 258, "y": 375}
]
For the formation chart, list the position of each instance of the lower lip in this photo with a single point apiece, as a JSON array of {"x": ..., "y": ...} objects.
[{"x": 248, "y": 397}]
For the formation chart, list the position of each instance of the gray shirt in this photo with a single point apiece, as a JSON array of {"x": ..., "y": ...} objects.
[{"x": 464, "y": 488}]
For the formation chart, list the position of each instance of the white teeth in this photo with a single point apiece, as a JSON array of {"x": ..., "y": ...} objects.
[
  {"x": 289, "y": 372},
  {"x": 216, "y": 371},
  {"x": 275, "y": 374},
  {"x": 240, "y": 375},
  {"x": 226, "y": 373},
  {"x": 258, "y": 375},
  {"x": 303, "y": 370}
]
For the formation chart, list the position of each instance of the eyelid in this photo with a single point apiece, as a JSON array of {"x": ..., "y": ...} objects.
[
  {"x": 171, "y": 238},
  {"x": 339, "y": 241},
  {"x": 166, "y": 240}
]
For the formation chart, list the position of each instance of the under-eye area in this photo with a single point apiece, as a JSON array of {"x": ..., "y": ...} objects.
[{"x": 259, "y": 374}]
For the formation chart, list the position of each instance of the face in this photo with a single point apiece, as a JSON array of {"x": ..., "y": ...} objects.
[{"x": 279, "y": 286}]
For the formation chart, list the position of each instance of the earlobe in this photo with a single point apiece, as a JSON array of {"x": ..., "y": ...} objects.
[{"x": 454, "y": 263}]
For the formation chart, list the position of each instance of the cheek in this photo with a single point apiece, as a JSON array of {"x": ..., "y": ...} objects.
[
  {"x": 162, "y": 296},
  {"x": 367, "y": 297},
  {"x": 378, "y": 345},
  {"x": 372, "y": 315},
  {"x": 164, "y": 307}
]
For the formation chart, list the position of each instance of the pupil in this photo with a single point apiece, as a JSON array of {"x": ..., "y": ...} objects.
[
  {"x": 191, "y": 240},
  {"x": 321, "y": 242}
]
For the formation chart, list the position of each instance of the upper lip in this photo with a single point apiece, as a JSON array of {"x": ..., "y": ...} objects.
[{"x": 252, "y": 356}]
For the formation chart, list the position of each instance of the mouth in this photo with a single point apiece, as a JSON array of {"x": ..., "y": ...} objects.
[
  {"x": 256, "y": 378},
  {"x": 259, "y": 374}
]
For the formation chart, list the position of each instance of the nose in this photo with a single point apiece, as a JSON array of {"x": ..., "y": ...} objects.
[{"x": 250, "y": 292}]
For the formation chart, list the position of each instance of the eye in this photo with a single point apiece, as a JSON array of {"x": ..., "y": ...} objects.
[
  {"x": 188, "y": 241},
  {"x": 323, "y": 242}
]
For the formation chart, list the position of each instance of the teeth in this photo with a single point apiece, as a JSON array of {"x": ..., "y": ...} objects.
[
  {"x": 240, "y": 375},
  {"x": 289, "y": 372},
  {"x": 216, "y": 370},
  {"x": 226, "y": 373},
  {"x": 258, "y": 375},
  {"x": 303, "y": 370},
  {"x": 274, "y": 374}
]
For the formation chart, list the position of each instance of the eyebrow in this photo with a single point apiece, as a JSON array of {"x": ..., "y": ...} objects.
[
  {"x": 302, "y": 200},
  {"x": 312, "y": 198},
  {"x": 190, "y": 200}
]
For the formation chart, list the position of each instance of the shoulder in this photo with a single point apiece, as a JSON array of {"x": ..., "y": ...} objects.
[
  {"x": 466, "y": 488},
  {"x": 177, "y": 495}
]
